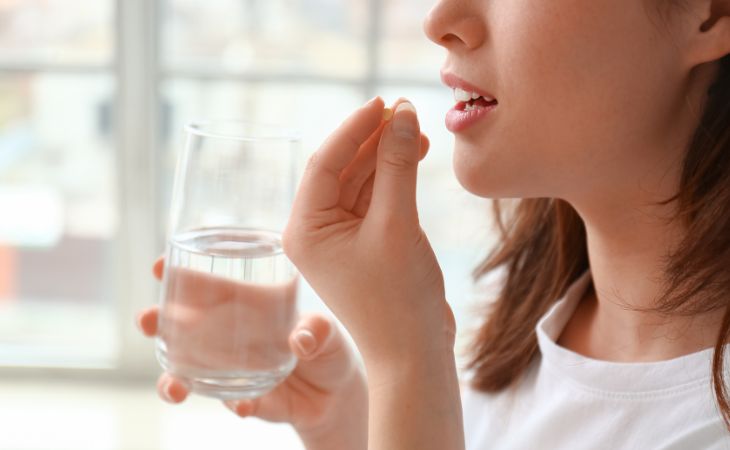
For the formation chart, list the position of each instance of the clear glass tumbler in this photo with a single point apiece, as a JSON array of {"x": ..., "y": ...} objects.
[{"x": 229, "y": 293}]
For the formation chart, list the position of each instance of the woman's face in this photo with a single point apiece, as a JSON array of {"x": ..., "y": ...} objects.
[{"x": 588, "y": 95}]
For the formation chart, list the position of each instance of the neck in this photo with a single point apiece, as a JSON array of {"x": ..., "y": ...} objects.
[
  {"x": 613, "y": 320},
  {"x": 629, "y": 239}
]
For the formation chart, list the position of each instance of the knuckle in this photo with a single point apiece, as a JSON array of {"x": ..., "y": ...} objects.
[
  {"x": 398, "y": 161},
  {"x": 407, "y": 134},
  {"x": 312, "y": 162},
  {"x": 254, "y": 411},
  {"x": 288, "y": 242}
]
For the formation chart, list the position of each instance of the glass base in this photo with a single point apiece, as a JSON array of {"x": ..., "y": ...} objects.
[
  {"x": 236, "y": 388},
  {"x": 229, "y": 384}
]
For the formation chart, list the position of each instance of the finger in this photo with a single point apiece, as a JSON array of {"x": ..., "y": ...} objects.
[
  {"x": 394, "y": 189},
  {"x": 171, "y": 389},
  {"x": 310, "y": 336},
  {"x": 324, "y": 355},
  {"x": 274, "y": 406},
  {"x": 357, "y": 173},
  {"x": 355, "y": 176},
  {"x": 244, "y": 408},
  {"x": 425, "y": 146},
  {"x": 359, "y": 170},
  {"x": 363, "y": 200},
  {"x": 362, "y": 203},
  {"x": 320, "y": 186},
  {"x": 325, "y": 363},
  {"x": 147, "y": 321},
  {"x": 158, "y": 267}
]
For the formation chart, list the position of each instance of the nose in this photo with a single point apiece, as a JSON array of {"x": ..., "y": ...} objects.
[{"x": 454, "y": 24}]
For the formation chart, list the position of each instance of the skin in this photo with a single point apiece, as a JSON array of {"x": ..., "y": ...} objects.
[
  {"x": 210, "y": 322},
  {"x": 611, "y": 93},
  {"x": 596, "y": 101}
]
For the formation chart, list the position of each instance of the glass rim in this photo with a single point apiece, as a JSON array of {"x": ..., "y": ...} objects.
[{"x": 262, "y": 131}]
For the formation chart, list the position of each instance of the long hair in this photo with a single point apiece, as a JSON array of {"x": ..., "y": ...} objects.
[{"x": 543, "y": 249}]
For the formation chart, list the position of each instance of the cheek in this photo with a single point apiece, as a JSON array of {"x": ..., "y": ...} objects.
[
  {"x": 525, "y": 148},
  {"x": 579, "y": 92}
]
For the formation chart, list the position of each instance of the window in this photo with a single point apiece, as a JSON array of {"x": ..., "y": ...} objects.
[
  {"x": 58, "y": 184},
  {"x": 95, "y": 97}
]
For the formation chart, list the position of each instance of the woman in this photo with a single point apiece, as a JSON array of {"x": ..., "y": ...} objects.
[{"x": 611, "y": 120}]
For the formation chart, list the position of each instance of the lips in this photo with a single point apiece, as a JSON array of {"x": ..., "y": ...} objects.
[
  {"x": 472, "y": 103},
  {"x": 454, "y": 82}
]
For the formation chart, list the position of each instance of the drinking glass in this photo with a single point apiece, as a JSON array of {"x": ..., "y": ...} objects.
[{"x": 229, "y": 293}]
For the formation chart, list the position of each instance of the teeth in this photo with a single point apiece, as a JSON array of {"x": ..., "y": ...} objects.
[
  {"x": 470, "y": 107},
  {"x": 461, "y": 95}
]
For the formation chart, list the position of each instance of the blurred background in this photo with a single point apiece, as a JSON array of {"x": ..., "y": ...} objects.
[{"x": 93, "y": 98}]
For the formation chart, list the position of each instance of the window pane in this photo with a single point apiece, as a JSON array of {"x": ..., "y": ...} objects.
[
  {"x": 292, "y": 36},
  {"x": 56, "y": 31},
  {"x": 404, "y": 50},
  {"x": 58, "y": 216}
]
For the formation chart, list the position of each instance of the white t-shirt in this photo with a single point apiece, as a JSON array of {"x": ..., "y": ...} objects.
[{"x": 568, "y": 401}]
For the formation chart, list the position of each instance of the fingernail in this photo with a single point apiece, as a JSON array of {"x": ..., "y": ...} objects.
[
  {"x": 406, "y": 106},
  {"x": 166, "y": 390},
  {"x": 387, "y": 114},
  {"x": 243, "y": 408},
  {"x": 372, "y": 100},
  {"x": 305, "y": 341},
  {"x": 403, "y": 126}
]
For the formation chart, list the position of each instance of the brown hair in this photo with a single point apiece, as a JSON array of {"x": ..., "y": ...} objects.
[{"x": 543, "y": 249}]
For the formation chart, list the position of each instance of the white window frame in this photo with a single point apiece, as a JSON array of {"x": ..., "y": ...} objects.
[{"x": 132, "y": 67}]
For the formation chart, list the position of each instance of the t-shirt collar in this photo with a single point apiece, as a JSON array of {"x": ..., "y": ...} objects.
[{"x": 677, "y": 373}]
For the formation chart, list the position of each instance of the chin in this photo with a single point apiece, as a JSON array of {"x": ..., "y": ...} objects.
[
  {"x": 489, "y": 177},
  {"x": 471, "y": 172},
  {"x": 475, "y": 181}
]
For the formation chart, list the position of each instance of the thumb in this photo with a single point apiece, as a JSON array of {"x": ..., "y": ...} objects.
[
  {"x": 325, "y": 357},
  {"x": 316, "y": 337},
  {"x": 394, "y": 189}
]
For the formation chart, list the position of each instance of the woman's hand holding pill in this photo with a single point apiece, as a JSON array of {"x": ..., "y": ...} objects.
[{"x": 355, "y": 236}]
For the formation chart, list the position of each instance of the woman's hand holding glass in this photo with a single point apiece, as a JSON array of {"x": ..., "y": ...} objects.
[{"x": 326, "y": 380}]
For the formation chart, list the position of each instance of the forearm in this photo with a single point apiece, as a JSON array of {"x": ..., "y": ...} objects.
[
  {"x": 415, "y": 404},
  {"x": 347, "y": 425}
]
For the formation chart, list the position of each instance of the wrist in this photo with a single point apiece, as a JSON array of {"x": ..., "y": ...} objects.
[
  {"x": 408, "y": 336},
  {"x": 436, "y": 359},
  {"x": 416, "y": 403},
  {"x": 410, "y": 346}
]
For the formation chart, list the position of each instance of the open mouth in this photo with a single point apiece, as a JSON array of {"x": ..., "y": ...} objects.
[
  {"x": 471, "y": 101},
  {"x": 473, "y": 105}
]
